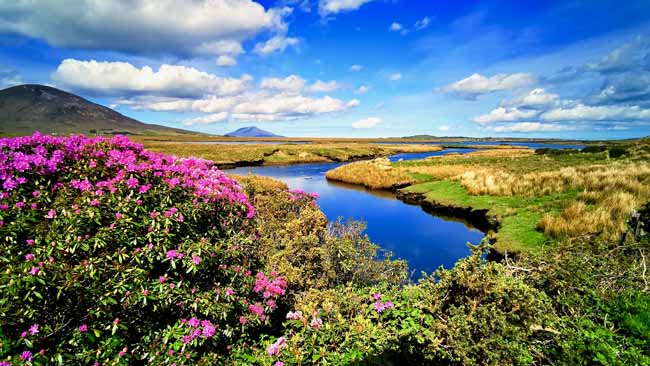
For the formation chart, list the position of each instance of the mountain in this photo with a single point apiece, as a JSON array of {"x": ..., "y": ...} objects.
[
  {"x": 251, "y": 131},
  {"x": 30, "y": 107}
]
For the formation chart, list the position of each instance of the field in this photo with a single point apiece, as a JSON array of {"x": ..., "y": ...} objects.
[
  {"x": 536, "y": 198},
  {"x": 225, "y": 155}
]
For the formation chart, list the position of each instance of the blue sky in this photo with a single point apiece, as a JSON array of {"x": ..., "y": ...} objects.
[{"x": 572, "y": 69}]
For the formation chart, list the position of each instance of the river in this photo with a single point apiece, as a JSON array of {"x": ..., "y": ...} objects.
[{"x": 425, "y": 241}]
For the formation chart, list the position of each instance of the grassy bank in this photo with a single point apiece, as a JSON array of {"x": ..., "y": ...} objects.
[
  {"x": 283, "y": 154},
  {"x": 536, "y": 198}
]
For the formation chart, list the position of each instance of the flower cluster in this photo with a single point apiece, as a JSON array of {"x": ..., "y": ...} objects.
[
  {"x": 130, "y": 242},
  {"x": 380, "y": 306}
]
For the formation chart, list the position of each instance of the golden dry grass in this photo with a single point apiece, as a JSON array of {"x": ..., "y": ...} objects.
[{"x": 374, "y": 174}]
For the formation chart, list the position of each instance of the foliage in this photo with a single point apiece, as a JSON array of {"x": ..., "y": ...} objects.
[{"x": 114, "y": 254}]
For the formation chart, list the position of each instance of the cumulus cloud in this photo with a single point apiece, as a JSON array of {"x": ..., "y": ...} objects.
[
  {"x": 113, "y": 78},
  {"x": 422, "y": 23},
  {"x": 476, "y": 84},
  {"x": 531, "y": 127},
  {"x": 356, "y": 68},
  {"x": 260, "y": 105},
  {"x": 277, "y": 43},
  {"x": 534, "y": 99},
  {"x": 226, "y": 61},
  {"x": 444, "y": 128},
  {"x": 395, "y": 27},
  {"x": 332, "y": 7},
  {"x": 581, "y": 112},
  {"x": 144, "y": 26},
  {"x": 291, "y": 84},
  {"x": 369, "y": 122},
  {"x": 324, "y": 86},
  {"x": 395, "y": 77},
  {"x": 502, "y": 114},
  {"x": 205, "y": 120},
  {"x": 362, "y": 90}
]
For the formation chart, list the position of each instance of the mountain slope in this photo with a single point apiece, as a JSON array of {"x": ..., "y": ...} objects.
[
  {"x": 31, "y": 107},
  {"x": 251, "y": 131}
]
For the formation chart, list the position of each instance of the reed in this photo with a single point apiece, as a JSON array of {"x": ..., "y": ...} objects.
[{"x": 374, "y": 174}]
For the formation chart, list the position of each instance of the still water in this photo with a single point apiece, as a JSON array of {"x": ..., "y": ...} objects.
[{"x": 425, "y": 241}]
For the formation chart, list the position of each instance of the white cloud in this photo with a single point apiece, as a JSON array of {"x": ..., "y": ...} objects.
[
  {"x": 112, "y": 78},
  {"x": 422, "y": 23},
  {"x": 9, "y": 78},
  {"x": 262, "y": 105},
  {"x": 395, "y": 27},
  {"x": 531, "y": 127},
  {"x": 353, "y": 103},
  {"x": 362, "y": 90},
  {"x": 291, "y": 84},
  {"x": 143, "y": 26},
  {"x": 444, "y": 128},
  {"x": 224, "y": 60},
  {"x": 395, "y": 77},
  {"x": 331, "y": 7},
  {"x": 323, "y": 86},
  {"x": 275, "y": 44},
  {"x": 502, "y": 114},
  {"x": 369, "y": 122},
  {"x": 477, "y": 84},
  {"x": 356, "y": 68},
  {"x": 536, "y": 98},
  {"x": 205, "y": 120},
  {"x": 581, "y": 112}
]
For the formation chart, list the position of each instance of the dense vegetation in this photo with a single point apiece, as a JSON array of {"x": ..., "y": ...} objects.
[{"x": 115, "y": 255}]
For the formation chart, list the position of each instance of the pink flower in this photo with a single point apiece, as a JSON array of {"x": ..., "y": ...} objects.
[
  {"x": 376, "y": 296},
  {"x": 132, "y": 182},
  {"x": 196, "y": 259},
  {"x": 172, "y": 254},
  {"x": 278, "y": 363},
  {"x": 51, "y": 214},
  {"x": 26, "y": 356},
  {"x": 29, "y": 257},
  {"x": 33, "y": 329},
  {"x": 277, "y": 346},
  {"x": 94, "y": 202},
  {"x": 256, "y": 309},
  {"x": 209, "y": 330},
  {"x": 171, "y": 286},
  {"x": 118, "y": 215},
  {"x": 229, "y": 291},
  {"x": 83, "y": 328},
  {"x": 294, "y": 315},
  {"x": 316, "y": 322},
  {"x": 243, "y": 320},
  {"x": 34, "y": 271},
  {"x": 162, "y": 279}
]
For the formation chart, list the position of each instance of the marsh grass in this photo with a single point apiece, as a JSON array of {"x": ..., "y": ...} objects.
[
  {"x": 374, "y": 174},
  {"x": 282, "y": 154},
  {"x": 535, "y": 197}
]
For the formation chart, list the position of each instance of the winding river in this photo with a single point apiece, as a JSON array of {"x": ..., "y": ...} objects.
[{"x": 425, "y": 241}]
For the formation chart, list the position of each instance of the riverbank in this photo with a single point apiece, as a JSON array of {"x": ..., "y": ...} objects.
[
  {"x": 232, "y": 156},
  {"x": 527, "y": 199}
]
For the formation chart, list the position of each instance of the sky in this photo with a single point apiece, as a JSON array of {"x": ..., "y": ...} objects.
[{"x": 345, "y": 68}]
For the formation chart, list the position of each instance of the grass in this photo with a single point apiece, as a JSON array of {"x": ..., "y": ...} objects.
[
  {"x": 282, "y": 154},
  {"x": 374, "y": 174},
  {"x": 518, "y": 215},
  {"x": 536, "y": 198}
]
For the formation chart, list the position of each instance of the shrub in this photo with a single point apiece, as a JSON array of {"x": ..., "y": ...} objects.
[
  {"x": 113, "y": 254},
  {"x": 617, "y": 152},
  {"x": 594, "y": 149}
]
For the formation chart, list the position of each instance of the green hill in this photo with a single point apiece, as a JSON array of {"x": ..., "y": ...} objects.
[{"x": 30, "y": 107}]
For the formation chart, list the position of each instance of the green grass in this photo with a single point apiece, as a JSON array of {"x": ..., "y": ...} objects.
[{"x": 518, "y": 215}]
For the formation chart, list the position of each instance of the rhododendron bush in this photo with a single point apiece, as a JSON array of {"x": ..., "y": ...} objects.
[{"x": 112, "y": 254}]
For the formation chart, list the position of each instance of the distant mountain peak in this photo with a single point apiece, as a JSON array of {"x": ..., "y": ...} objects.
[
  {"x": 32, "y": 107},
  {"x": 251, "y": 131}
]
